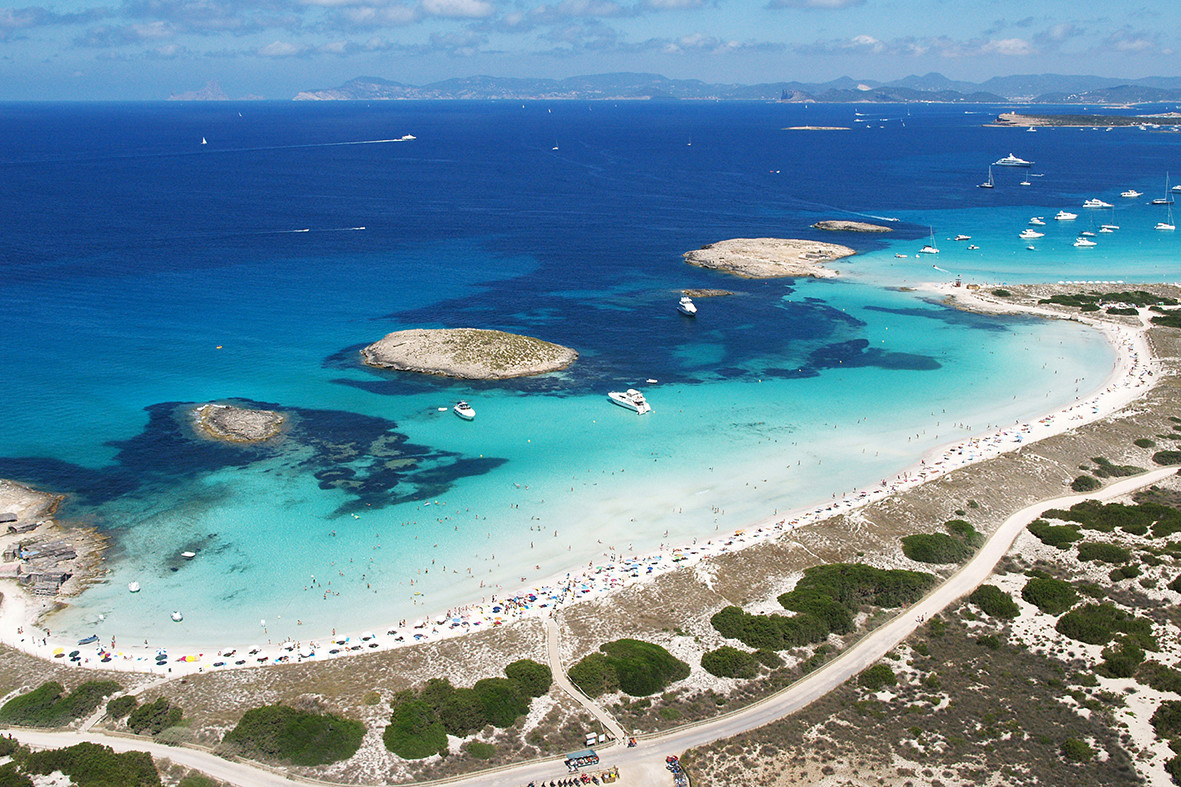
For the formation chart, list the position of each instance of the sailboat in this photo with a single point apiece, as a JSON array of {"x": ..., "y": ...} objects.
[
  {"x": 989, "y": 184},
  {"x": 1165, "y": 200},
  {"x": 203, "y": 142},
  {"x": 1167, "y": 226},
  {"x": 930, "y": 248}
]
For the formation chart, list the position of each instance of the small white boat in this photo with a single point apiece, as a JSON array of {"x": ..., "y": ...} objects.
[
  {"x": 1063, "y": 215},
  {"x": 1097, "y": 203},
  {"x": 1109, "y": 228},
  {"x": 1083, "y": 243},
  {"x": 900, "y": 256},
  {"x": 1087, "y": 233},
  {"x": 1176, "y": 189},
  {"x": 464, "y": 411},
  {"x": 972, "y": 247},
  {"x": 1167, "y": 226},
  {"x": 133, "y": 587},
  {"x": 1038, "y": 221},
  {"x": 687, "y": 307},
  {"x": 1012, "y": 161},
  {"x": 1027, "y": 234},
  {"x": 177, "y": 616},
  {"x": 203, "y": 142},
  {"x": 928, "y": 249},
  {"x": 1031, "y": 247},
  {"x": 631, "y": 399},
  {"x": 988, "y": 184},
  {"x": 963, "y": 237},
  {"x": 188, "y": 555},
  {"x": 1131, "y": 194},
  {"x": 1025, "y": 183}
]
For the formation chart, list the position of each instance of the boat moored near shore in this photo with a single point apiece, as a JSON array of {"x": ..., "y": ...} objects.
[
  {"x": 687, "y": 307},
  {"x": 631, "y": 399},
  {"x": 464, "y": 411}
]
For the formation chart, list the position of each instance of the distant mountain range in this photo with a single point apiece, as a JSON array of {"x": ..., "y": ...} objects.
[{"x": 933, "y": 87}]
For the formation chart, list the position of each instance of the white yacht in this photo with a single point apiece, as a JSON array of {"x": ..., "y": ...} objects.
[
  {"x": 1097, "y": 203},
  {"x": 1038, "y": 221},
  {"x": 1082, "y": 242},
  {"x": 631, "y": 399},
  {"x": 1065, "y": 216},
  {"x": 1087, "y": 234},
  {"x": 188, "y": 555},
  {"x": 1027, "y": 234},
  {"x": 177, "y": 616},
  {"x": 687, "y": 307},
  {"x": 1167, "y": 226},
  {"x": 1025, "y": 183},
  {"x": 464, "y": 411},
  {"x": 1012, "y": 161},
  {"x": 1176, "y": 189},
  {"x": 1131, "y": 194},
  {"x": 963, "y": 237},
  {"x": 132, "y": 587},
  {"x": 930, "y": 248}
]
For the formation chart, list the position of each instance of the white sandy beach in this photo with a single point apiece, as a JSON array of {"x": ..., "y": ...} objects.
[{"x": 1134, "y": 373}]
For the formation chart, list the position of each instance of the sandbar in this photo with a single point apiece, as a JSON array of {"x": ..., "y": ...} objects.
[
  {"x": 467, "y": 353},
  {"x": 769, "y": 258}
]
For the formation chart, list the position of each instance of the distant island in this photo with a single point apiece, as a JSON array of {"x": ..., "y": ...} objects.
[
  {"x": 839, "y": 225},
  {"x": 1087, "y": 121},
  {"x": 467, "y": 353},
  {"x": 929, "y": 88},
  {"x": 768, "y": 258}
]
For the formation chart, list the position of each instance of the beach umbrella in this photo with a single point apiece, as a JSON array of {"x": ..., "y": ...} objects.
[{"x": 59, "y": 651}]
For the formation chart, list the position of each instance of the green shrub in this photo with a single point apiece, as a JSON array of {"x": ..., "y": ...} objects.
[
  {"x": 1175, "y": 585},
  {"x": 1106, "y": 469},
  {"x": 462, "y": 713},
  {"x": 876, "y": 677},
  {"x": 595, "y": 675},
  {"x": 154, "y": 717},
  {"x": 196, "y": 780},
  {"x": 480, "y": 750},
  {"x": 503, "y": 704},
  {"x": 1103, "y": 551},
  {"x": 11, "y": 777},
  {"x": 1060, "y": 536},
  {"x": 938, "y": 548},
  {"x": 1167, "y": 457},
  {"x": 1130, "y": 571},
  {"x": 990, "y": 641},
  {"x": 1173, "y": 766},
  {"x": 92, "y": 765},
  {"x": 1049, "y": 594},
  {"x": 1001, "y": 293},
  {"x": 643, "y": 668},
  {"x": 47, "y": 706},
  {"x": 1121, "y": 661},
  {"x": 281, "y": 734},
  {"x": 1096, "y": 624},
  {"x": 414, "y": 732},
  {"x": 1167, "y": 719},
  {"x": 994, "y": 602},
  {"x": 1143, "y": 442},
  {"x": 1123, "y": 311},
  {"x": 770, "y": 632},
  {"x": 1075, "y": 750},
  {"x": 768, "y": 658},
  {"x": 121, "y": 706},
  {"x": 728, "y": 662},
  {"x": 1085, "y": 483},
  {"x": 835, "y": 615},
  {"x": 531, "y": 678},
  {"x": 1160, "y": 677}
]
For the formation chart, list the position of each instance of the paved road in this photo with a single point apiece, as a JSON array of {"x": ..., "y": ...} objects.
[{"x": 644, "y": 764}]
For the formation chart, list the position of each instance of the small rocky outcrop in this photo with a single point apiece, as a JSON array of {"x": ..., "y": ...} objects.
[
  {"x": 467, "y": 353},
  {"x": 238, "y": 424},
  {"x": 766, "y": 258}
]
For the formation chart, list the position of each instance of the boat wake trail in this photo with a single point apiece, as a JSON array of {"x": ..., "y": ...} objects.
[{"x": 941, "y": 270}]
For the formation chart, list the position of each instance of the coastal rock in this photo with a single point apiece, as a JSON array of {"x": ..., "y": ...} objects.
[
  {"x": 238, "y": 424},
  {"x": 467, "y": 353},
  {"x": 766, "y": 258},
  {"x": 697, "y": 293},
  {"x": 835, "y": 225}
]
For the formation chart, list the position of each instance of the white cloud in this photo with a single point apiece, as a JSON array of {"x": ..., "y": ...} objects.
[
  {"x": 1010, "y": 47},
  {"x": 281, "y": 49},
  {"x": 469, "y": 9},
  {"x": 386, "y": 16},
  {"x": 673, "y": 5},
  {"x": 814, "y": 3}
]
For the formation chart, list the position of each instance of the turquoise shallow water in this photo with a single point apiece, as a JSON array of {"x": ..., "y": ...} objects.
[{"x": 145, "y": 276}]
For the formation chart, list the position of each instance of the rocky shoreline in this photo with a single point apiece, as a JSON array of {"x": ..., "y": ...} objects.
[
  {"x": 840, "y": 225},
  {"x": 237, "y": 424},
  {"x": 467, "y": 353},
  {"x": 769, "y": 258}
]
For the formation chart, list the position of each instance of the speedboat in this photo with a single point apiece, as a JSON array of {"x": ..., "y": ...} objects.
[
  {"x": 631, "y": 399},
  {"x": 1012, "y": 161},
  {"x": 132, "y": 587},
  {"x": 900, "y": 256},
  {"x": 1065, "y": 216},
  {"x": 1109, "y": 228},
  {"x": 1097, "y": 203},
  {"x": 1038, "y": 221},
  {"x": 1176, "y": 189},
  {"x": 1027, "y": 234},
  {"x": 1083, "y": 243},
  {"x": 464, "y": 411},
  {"x": 1031, "y": 247},
  {"x": 928, "y": 249},
  {"x": 1131, "y": 194},
  {"x": 687, "y": 307},
  {"x": 963, "y": 237},
  {"x": 188, "y": 555},
  {"x": 177, "y": 616},
  {"x": 1087, "y": 233}
]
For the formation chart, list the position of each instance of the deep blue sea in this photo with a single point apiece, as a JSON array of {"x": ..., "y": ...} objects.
[{"x": 145, "y": 271}]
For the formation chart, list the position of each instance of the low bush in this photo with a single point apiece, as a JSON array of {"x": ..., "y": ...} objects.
[
  {"x": 1002, "y": 293},
  {"x": 876, "y": 677},
  {"x": 856, "y": 584},
  {"x": 48, "y": 705},
  {"x": 503, "y": 704},
  {"x": 278, "y": 733},
  {"x": 531, "y": 678},
  {"x": 728, "y": 662},
  {"x": 1049, "y": 594},
  {"x": 1121, "y": 661},
  {"x": 1060, "y": 536},
  {"x": 1167, "y": 457},
  {"x": 643, "y": 668},
  {"x": 1167, "y": 719},
  {"x": 480, "y": 750},
  {"x": 1130, "y": 571},
  {"x": 1097, "y": 624},
  {"x": 1143, "y": 442},
  {"x": 1103, "y": 551},
  {"x": 121, "y": 706},
  {"x": 1085, "y": 483},
  {"x": 1075, "y": 750},
  {"x": 414, "y": 732},
  {"x": 594, "y": 675},
  {"x": 1160, "y": 677},
  {"x": 155, "y": 717},
  {"x": 994, "y": 602},
  {"x": 93, "y": 765},
  {"x": 937, "y": 548},
  {"x": 1105, "y": 468}
]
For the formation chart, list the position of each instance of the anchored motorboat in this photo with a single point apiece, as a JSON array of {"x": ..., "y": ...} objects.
[
  {"x": 464, "y": 411},
  {"x": 687, "y": 307},
  {"x": 631, "y": 399}
]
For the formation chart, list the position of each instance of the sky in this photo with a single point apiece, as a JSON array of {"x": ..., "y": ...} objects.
[{"x": 149, "y": 49}]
